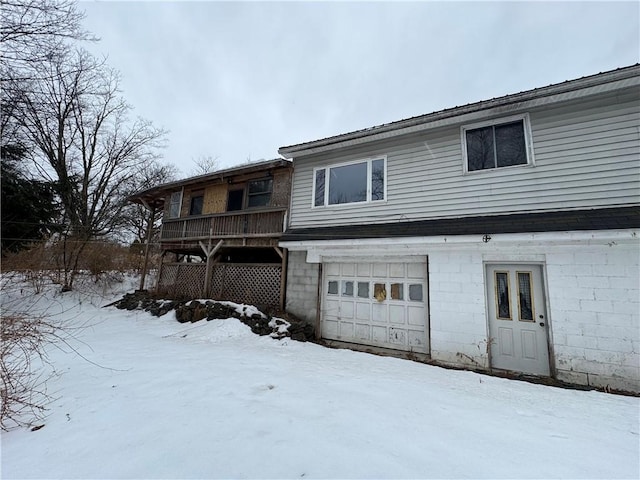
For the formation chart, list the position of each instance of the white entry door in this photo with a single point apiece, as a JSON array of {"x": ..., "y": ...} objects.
[
  {"x": 378, "y": 304},
  {"x": 517, "y": 319}
]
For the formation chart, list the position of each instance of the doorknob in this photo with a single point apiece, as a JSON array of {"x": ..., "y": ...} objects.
[
  {"x": 541, "y": 316},
  {"x": 542, "y": 324}
]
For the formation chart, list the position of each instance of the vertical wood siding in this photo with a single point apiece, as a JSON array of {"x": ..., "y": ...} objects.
[{"x": 587, "y": 154}]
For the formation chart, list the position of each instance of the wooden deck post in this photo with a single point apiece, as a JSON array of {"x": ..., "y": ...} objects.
[
  {"x": 152, "y": 214},
  {"x": 209, "y": 252}
]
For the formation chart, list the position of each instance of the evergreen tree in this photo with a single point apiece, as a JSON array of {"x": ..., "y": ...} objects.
[{"x": 28, "y": 207}]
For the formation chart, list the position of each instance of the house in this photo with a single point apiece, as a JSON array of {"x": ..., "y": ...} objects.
[
  {"x": 220, "y": 232},
  {"x": 499, "y": 235}
]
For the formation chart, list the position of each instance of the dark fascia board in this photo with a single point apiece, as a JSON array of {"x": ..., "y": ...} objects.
[
  {"x": 154, "y": 193},
  {"x": 557, "y": 221},
  {"x": 363, "y": 135}
]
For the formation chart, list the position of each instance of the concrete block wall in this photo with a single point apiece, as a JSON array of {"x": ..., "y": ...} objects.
[
  {"x": 302, "y": 287},
  {"x": 594, "y": 295},
  {"x": 458, "y": 326}
]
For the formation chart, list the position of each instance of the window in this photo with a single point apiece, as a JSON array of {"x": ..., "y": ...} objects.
[
  {"x": 415, "y": 292},
  {"x": 174, "y": 204},
  {"x": 259, "y": 193},
  {"x": 363, "y": 289},
  {"x": 496, "y": 145},
  {"x": 234, "y": 200},
  {"x": 197, "y": 200},
  {"x": 355, "y": 182}
]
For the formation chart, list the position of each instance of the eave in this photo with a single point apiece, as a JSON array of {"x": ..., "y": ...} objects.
[
  {"x": 155, "y": 196},
  {"x": 569, "y": 90}
]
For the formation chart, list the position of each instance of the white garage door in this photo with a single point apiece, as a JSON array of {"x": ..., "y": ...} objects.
[{"x": 379, "y": 304}]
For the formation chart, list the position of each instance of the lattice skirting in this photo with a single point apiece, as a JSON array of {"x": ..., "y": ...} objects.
[
  {"x": 182, "y": 279},
  {"x": 255, "y": 284}
]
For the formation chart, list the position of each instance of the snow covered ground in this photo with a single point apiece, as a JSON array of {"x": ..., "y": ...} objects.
[{"x": 152, "y": 398}]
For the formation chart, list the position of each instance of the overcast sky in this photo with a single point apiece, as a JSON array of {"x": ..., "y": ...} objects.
[{"x": 238, "y": 80}]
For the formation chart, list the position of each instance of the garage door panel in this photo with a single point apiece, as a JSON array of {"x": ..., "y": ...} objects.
[
  {"x": 346, "y": 330},
  {"x": 363, "y": 331},
  {"x": 379, "y": 270},
  {"x": 363, "y": 269},
  {"x": 378, "y": 304},
  {"x": 346, "y": 311},
  {"x": 379, "y": 334},
  {"x": 416, "y": 270},
  {"x": 332, "y": 308},
  {"x": 379, "y": 313},
  {"x": 348, "y": 269},
  {"x": 397, "y": 336},
  {"x": 363, "y": 311},
  {"x": 396, "y": 314},
  {"x": 416, "y": 315},
  {"x": 330, "y": 328},
  {"x": 332, "y": 269},
  {"x": 396, "y": 270},
  {"x": 417, "y": 338}
]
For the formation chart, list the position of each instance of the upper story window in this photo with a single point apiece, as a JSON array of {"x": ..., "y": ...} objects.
[
  {"x": 174, "y": 204},
  {"x": 354, "y": 182},
  {"x": 501, "y": 143},
  {"x": 197, "y": 201},
  {"x": 259, "y": 193},
  {"x": 255, "y": 193}
]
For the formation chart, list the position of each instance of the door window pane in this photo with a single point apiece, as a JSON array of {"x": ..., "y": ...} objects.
[
  {"x": 503, "y": 307},
  {"x": 415, "y": 292},
  {"x": 363, "y": 289},
  {"x": 525, "y": 300},
  {"x": 333, "y": 288}
]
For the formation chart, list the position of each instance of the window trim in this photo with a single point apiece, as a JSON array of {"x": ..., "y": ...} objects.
[
  {"x": 528, "y": 143},
  {"x": 369, "y": 161}
]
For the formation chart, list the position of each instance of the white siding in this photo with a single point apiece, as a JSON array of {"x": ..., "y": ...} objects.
[{"x": 587, "y": 154}]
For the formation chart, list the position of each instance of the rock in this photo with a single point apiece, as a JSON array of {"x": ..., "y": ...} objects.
[{"x": 211, "y": 310}]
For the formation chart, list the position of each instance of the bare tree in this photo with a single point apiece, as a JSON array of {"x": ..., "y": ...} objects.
[
  {"x": 204, "y": 165},
  {"x": 33, "y": 30},
  {"x": 79, "y": 129},
  {"x": 136, "y": 216}
]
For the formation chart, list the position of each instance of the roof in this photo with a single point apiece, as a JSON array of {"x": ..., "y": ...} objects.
[
  {"x": 155, "y": 194},
  {"x": 422, "y": 122},
  {"x": 556, "y": 221}
]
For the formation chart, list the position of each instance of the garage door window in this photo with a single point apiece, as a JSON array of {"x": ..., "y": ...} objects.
[
  {"x": 379, "y": 291},
  {"x": 396, "y": 291},
  {"x": 333, "y": 288},
  {"x": 363, "y": 289},
  {"x": 347, "y": 288},
  {"x": 415, "y": 292}
]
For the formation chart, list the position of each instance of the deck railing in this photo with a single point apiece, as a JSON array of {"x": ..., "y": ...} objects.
[{"x": 259, "y": 223}]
